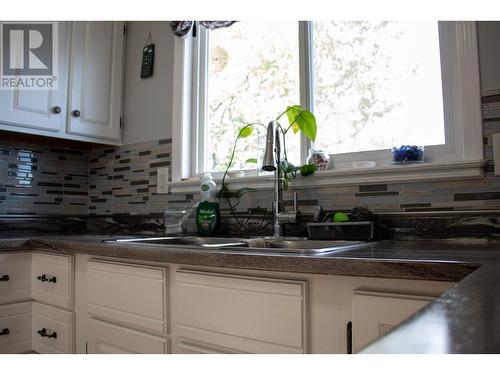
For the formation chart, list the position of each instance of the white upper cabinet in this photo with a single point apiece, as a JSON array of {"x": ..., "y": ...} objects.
[
  {"x": 40, "y": 109},
  {"x": 87, "y": 104},
  {"x": 96, "y": 79}
]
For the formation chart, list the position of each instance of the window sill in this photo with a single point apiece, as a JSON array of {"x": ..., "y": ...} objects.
[{"x": 457, "y": 170}]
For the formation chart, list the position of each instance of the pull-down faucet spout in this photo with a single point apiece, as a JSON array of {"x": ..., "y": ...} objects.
[{"x": 272, "y": 162}]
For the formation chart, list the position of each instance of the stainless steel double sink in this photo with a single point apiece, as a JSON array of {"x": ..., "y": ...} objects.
[{"x": 297, "y": 245}]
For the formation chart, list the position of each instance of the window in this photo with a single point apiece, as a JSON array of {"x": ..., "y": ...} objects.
[
  {"x": 372, "y": 81},
  {"x": 371, "y": 86},
  {"x": 252, "y": 73}
]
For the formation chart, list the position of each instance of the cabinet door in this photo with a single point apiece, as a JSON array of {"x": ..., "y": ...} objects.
[
  {"x": 376, "y": 313},
  {"x": 52, "y": 279},
  {"x": 51, "y": 330},
  {"x": 237, "y": 313},
  {"x": 96, "y": 79},
  {"x": 128, "y": 294},
  {"x": 106, "y": 338},
  {"x": 15, "y": 274},
  {"x": 36, "y": 109},
  {"x": 15, "y": 328}
]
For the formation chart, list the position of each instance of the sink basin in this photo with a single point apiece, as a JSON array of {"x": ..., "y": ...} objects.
[
  {"x": 186, "y": 241},
  {"x": 259, "y": 244}
]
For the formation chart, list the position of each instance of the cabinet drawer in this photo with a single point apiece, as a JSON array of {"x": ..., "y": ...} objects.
[
  {"x": 243, "y": 313},
  {"x": 15, "y": 328},
  {"x": 49, "y": 321},
  {"x": 16, "y": 267},
  {"x": 107, "y": 338},
  {"x": 51, "y": 279},
  {"x": 374, "y": 314},
  {"x": 131, "y": 295}
]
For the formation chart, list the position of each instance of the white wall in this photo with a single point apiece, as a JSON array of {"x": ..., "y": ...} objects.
[
  {"x": 489, "y": 54},
  {"x": 148, "y": 102}
]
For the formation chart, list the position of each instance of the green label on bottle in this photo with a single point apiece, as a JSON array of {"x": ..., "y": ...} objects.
[{"x": 207, "y": 218}]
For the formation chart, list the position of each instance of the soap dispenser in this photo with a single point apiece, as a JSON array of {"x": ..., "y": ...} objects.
[{"x": 208, "y": 212}]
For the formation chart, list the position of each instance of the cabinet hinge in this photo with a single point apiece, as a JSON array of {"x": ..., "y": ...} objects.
[
  {"x": 125, "y": 29},
  {"x": 121, "y": 122}
]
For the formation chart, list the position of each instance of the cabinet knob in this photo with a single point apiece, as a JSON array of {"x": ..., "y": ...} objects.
[
  {"x": 43, "y": 332},
  {"x": 56, "y": 109},
  {"x": 43, "y": 278},
  {"x": 4, "y": 278},
  {"x": 4, "y": 331},
  {"x": 75, "y": 113}
]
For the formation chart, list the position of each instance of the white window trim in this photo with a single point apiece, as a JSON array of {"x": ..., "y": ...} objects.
[{"x": 460, "y": 159}]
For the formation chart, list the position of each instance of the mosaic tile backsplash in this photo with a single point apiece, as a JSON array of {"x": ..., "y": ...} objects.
[
  {"x": 37, "y": 179},
  {"x": 122, "y": 181}
]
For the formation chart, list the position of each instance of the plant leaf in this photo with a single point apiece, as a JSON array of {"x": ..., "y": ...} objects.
[
  {"x": 304, "y": 120},
  {"x": 307, "y": 124},
  {"x": 307, "y": 169},
  {"x": 288, "y": 167},
  {"x": 245, "y": 131},
  {"x": 292, "y": 113},
  {"x": 251, "y": 161}
]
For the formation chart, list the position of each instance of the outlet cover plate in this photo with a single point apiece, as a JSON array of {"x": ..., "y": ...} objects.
[{"x": 162, "y": 180}]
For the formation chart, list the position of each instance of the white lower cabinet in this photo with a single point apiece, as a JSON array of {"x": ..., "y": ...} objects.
[
  {"x": 58, "y": 303},
  {"x": 36, "y": 303},
  {"x": 220, "y": 312},
  {"x": 107, "y": 338},
  {"x": 127, "y": 294},
  {"x": 374, "y": 314},
  {"x": 15, "y": 271},
  {"x": 15, "y": 328},
  {"x": 127, "y": 308},
  {"x": 52, "y": 279},
  {"x": 52, "y": 330}
]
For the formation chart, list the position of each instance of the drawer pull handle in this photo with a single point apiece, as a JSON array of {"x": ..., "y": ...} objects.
[
  {"x": 43, "y": 332},
  {"x": 44, "y": 278},
  {"x": 4, "y": 278},
  {"x": 4, "y": 331}
]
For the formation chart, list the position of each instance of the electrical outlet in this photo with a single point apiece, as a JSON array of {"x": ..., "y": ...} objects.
[
  {"x": 496, "y": 153},
  {"x": 162, "y": 180}
]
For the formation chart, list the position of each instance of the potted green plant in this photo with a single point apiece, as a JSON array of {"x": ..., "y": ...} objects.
[{"x": 299, "y": 120}]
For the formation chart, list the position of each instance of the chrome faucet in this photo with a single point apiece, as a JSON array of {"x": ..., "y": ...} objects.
[{"x": 272, "y": 162}]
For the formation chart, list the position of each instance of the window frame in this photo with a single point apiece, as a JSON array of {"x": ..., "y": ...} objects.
[{"x": 461, "y": 100}]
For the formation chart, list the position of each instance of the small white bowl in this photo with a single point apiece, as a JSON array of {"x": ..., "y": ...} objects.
[
  {"x": 236, "y": 173},
  {"x": 364, "y": 164}
]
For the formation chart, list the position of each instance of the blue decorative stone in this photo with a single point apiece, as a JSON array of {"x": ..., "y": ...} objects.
[{"x": 408, "y": 154}]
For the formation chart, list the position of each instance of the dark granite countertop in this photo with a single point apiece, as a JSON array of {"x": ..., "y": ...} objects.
[
  {"x": 426, "y": 260},
  {"x": 463, "y": 320}
]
